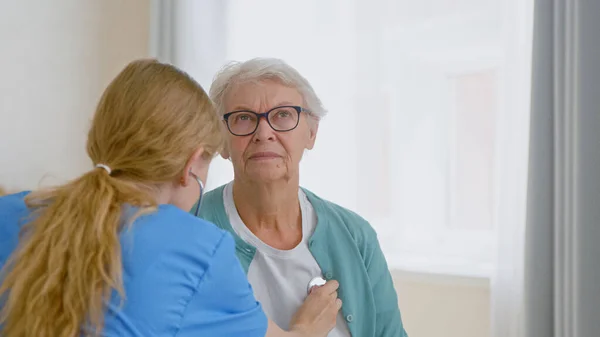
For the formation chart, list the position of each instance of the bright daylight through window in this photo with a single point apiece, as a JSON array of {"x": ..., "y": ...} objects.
[{"x": 420, "y": 96}]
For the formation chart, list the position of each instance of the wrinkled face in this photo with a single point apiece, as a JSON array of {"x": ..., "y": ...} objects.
[{"x": 268, "y": 155}]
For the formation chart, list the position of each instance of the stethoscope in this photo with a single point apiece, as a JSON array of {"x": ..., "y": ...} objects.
[
  {"x": 197, "y": 211},
  {"x": 315, "y": 282}
]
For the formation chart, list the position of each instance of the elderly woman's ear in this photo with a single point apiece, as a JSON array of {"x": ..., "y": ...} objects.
[
  {"x": 313, "y": 127},
  {"x": 225, "y": 149},
  {"x": 225, "y": 153}
]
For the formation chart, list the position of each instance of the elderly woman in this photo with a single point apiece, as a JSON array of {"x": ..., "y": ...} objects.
[{"x": 285, "y": 235}]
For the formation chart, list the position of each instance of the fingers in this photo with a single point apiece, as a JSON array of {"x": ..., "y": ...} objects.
[
  {"x": 329, "y": 297},
  {"x": 335, "y": 305},
  {"x": 329, "y": 293},
  {"x": 332, "y": 296},
  {"x": 329, "y": 287}
]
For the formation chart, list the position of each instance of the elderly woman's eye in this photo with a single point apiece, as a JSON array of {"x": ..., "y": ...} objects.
[
  {"x": 283, "y": 114},
  {"x": 243, "y": 117}
]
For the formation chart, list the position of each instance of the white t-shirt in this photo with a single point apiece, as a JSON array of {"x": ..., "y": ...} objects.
[{"x": 280, "y": 277}]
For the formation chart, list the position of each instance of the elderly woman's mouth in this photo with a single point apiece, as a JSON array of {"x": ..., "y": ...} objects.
[{"x": 264, "y": 156}]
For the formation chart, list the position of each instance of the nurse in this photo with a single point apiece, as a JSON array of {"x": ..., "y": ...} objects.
[{"x": 114, "y": 252}]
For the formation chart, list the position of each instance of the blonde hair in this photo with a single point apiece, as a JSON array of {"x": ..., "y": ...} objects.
[{"x": 149, "y": 121}]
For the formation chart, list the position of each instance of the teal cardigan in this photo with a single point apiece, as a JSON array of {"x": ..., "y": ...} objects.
[{"x": 346, "y": 248}]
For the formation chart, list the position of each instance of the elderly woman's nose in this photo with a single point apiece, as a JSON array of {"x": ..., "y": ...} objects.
[{"x": 264, "y": 130}]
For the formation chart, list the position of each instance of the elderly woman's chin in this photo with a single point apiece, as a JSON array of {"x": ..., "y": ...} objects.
[{"x": 266, "y": 171}]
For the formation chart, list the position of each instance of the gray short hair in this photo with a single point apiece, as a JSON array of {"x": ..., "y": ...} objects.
[{"x": 258, "y": 69}]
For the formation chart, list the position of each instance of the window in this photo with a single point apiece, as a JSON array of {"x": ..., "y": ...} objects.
[{"x": 415, "y": 90}]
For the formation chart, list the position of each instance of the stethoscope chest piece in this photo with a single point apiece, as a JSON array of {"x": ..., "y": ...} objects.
[{"x": 316, "y": 281}]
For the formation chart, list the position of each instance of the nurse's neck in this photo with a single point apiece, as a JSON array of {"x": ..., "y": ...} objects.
[
  {"x": 271, "y": 210},
  {"x": 175, "y": 195},
  {"x": 164, "y": 195}
]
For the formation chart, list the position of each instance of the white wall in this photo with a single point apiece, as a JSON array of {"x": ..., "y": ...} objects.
[{"x": 56, "y": 57}]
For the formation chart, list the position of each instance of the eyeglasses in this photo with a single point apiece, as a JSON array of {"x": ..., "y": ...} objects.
[{"x": 245, "y": 122}]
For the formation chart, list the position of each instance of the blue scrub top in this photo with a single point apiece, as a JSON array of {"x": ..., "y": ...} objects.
[{"x": 180, "y": 275}]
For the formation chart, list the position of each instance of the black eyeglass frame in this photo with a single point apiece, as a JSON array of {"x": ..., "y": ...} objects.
[{"x": 298, "y": 109}]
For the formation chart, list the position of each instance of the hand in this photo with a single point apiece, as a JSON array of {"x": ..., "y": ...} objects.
[{"x": 317, "y": 315}]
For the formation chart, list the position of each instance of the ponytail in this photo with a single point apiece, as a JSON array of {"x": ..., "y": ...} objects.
[
  {"x": 69, "y": 260},
  {"x": 148, "y": 122}
]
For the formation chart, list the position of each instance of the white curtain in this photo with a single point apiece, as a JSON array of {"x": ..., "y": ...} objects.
[
  {"x": 193, "y": 36},
  {"x": 562, "y": 260},
  {"x": 181, "y": 34},
  {"x": 507, "y": 282}
]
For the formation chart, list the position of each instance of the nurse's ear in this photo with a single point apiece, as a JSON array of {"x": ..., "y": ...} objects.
[{"x": 197, "y": 164}]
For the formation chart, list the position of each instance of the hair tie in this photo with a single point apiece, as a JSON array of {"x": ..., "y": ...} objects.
[{"x": 104, "y": 166}]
